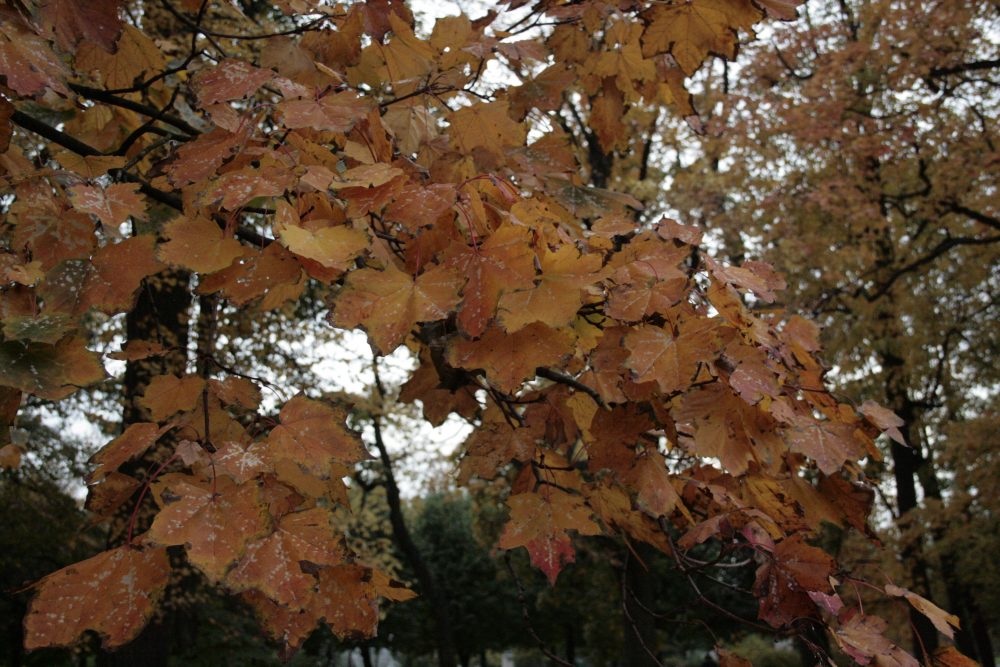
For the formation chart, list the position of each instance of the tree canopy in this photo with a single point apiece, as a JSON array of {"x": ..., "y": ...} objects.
[{"x": 179, "y": 161}]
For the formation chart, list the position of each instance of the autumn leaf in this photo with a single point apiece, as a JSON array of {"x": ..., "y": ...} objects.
[
  {"x": 830, "y": 444},
  {"x": 112, "y": 205},
  {"x": 49, "y": 371},
  {"x": 231, "y": 79},
  {"x": 274, "y": 564},
  {"x": 502, "y": 262},
  {"x": 313, "y": 435},
  {"x": 539, "y": 521},
  {"x": 198, "y": 244},
  {"x": 114, "y": 593},
  {"x": 558, "y": 295},
  {"x": 133, "y": 441},
  {"x": 389, "y": 303},
  {"x": 945, "y": 623},
  {"x": 510, "y": 359},
  {"x": 215, "y": 524},
  {"x": 693, "y": 30},
  {"x": 168, "y": 394}
]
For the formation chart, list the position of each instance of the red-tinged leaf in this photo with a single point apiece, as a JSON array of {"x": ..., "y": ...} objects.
[
  {"x": 418, "y": 206},
  {"x": 274, "y": 564},
  {"x": 49, "y": 371},
  {"x": 255, "y": 274},
  {"x": 167, "y": 395},
  {"x": 240, "y": 462},
  {"x": 783, "y": 583},
  {"x": 389, "y": 303},
  {"x": 786, "y": 10},
  {"x": 313, "y": 435},
  {"x": 510, "y": 359},
  {"x": 539, "y": 521},
  {"x": 135, "y": 440},
  {"x": 884, "y": 419},
  {"x": 231, "y": 79},
  {"x": 199, "y": 159},
  {"x": 651, "y": 481},
  {"x": 757, "y": 277},
  {"x": 198, "y": 244},
  {"x": 214, "y": 527},
  {"x": 288, "y": 627},
  {"x": 118, "y": 271},
  {"x": 336, "y": 112},
  {"x": 830, "y": 444},
  {"x": 863, "y": 638},
  {"x": 69, "y": 22},
  {"x": 28, "y": 64},
  {"x": 944, "y": 622},
  {"x": 502, "y": 262},
  {"x": 114, "y": 593}
]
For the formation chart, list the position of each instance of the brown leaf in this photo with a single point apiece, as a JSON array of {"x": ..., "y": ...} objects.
[
  {"x": 510, "y": 359},
  {"x": 313, "y": 435},
  {"x": 114, "y": 593},
  {"x": 49, "y": 371},
  {"x": 215, "y": 527}
]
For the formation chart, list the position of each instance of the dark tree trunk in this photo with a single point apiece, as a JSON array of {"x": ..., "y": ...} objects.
[
  {"x": 160, "y": 315},
  {"x": 444, "y": 637}
]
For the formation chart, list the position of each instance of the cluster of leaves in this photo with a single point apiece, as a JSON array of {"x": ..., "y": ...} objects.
[{"x": 627, "y": 376}]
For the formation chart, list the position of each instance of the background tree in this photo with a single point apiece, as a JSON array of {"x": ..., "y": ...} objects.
[{"x": 858, "y": 155}]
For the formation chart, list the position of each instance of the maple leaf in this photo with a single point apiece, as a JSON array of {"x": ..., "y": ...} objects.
[
  {"x": 70, "y": 22},
  {"x": 334, "y": 246},
  {"x": 693, "y": 30},
  {"x": 389, "y": 303},
  {"x": 942, "y": 620},
  {"x": 863, "y": 638},
  {"x": 198, "y": 244},
  {"x": 274, "y": 564},
  {"x": 557, "y": 297},
  {"x": 502, "y": 262},
  {"x": 118, "y": 270},
  {"x": 539, "y": 521},
  {"x": 830, "y": 444},
  {"x": 510, "y": 359},
  {"x": 214, "y": 526},
  {"x": 28, "y": 64},
  {"x": 49, "y": 371},
  {"x": 231, "y": 79},
  {"x": 114, "y": 593},
  {"x": 885, "y": 419},
  {"x": 199, "y": 159},
  {"x": 135, "y": 55},
  {"x": 168, "y": 394},
  {"x": 264, "y": 274},
  {"x": 337, "y": 112},
  {"x": 313, "y": 435},
  {"x": 783, "y": 582},
  {"x": 133, "y": 441},
  {"x": 486, "y": 128}
]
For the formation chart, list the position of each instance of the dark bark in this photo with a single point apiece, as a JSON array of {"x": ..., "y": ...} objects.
[
  {"x": 160, "y": 315},
  {"x": 444, "y": 636}
]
